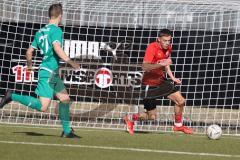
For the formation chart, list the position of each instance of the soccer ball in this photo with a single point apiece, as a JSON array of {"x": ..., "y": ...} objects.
[{"x": 214, "y": 131}]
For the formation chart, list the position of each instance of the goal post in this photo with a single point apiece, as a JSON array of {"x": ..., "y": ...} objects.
[{"x": 108, "y": 38}]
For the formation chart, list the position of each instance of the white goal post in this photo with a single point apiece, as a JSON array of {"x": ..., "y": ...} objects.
[{"x": 109, "y": 39}]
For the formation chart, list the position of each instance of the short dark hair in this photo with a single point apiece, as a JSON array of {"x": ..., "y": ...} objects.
[
  {"x": 55, "y": 10},
  {"x": 164, "y": 32}
]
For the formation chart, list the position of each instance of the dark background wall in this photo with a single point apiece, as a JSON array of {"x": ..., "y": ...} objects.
[{"x": 206, "y": 61}]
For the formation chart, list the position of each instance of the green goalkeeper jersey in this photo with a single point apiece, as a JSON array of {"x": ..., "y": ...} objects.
[{"x": 44, "y": 40}]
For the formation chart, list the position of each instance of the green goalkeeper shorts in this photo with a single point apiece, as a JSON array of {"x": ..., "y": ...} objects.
[{"x": 49, "y": 83}]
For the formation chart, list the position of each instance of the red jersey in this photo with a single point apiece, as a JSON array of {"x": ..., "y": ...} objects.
[{"x": 154, "y": 53}]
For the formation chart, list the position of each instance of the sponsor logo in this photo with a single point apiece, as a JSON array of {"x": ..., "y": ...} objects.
[
  {"x": 103, "y": 78},
  {"x": 88, "y": 49},
  {"x": 91, "y": 49},
  {"x": 23, "y": 75}
]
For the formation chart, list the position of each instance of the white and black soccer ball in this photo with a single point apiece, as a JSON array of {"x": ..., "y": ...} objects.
[{"x": 214, "y": 132}]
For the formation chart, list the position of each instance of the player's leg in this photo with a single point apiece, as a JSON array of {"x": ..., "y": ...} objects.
[
  {"x": 64, "y": 114},
  {"x": 64, "y": 108},
  {"x": 40, "y": 104},
  {"x": 129, "y": 124},
  {"x": 6, "y": 99},
  {"x": 151, "y": 111},
  {"x": 179, "y": 101},
  {"x": 150, "y": 114},
  {"x": 150, "y": 105},
  {"x": 149, "y": 95},
  {"x": 43, "y": 90}
]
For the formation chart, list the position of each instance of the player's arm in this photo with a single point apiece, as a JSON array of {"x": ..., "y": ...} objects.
[
  {"x": 148, "y": 59},
  {"x": 29, "y": 54},
  {"x": 59, "y": 51},
  {"x": 30, "y": 51},
  {"x": 169, "y": 72},
  {"x": 149, "y": 66}
]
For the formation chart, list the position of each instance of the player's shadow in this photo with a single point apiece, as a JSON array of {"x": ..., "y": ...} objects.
[
  {"x": 38, "y": 134},
  {"x": 143, "y": 132},
  {"x": 33, "y": 134}
]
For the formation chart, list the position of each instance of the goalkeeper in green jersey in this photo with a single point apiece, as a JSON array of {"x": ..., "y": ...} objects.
[{"x": 49, "y": 40}]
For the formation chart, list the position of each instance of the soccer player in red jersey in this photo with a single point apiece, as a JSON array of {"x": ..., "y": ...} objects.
[{"x": 156, "y": 62}]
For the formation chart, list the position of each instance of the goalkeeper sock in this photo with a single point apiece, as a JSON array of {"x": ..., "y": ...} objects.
[
  {"x": 28, "y": 101},
  {"x": 64, "y": 117},
  {"x": 178, "y": 119}
]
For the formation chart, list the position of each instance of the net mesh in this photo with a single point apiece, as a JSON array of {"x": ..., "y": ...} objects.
[{"x": 109, "y": 38}]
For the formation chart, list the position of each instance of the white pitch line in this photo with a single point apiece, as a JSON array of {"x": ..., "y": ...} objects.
[{"x": 123, "y": 149}]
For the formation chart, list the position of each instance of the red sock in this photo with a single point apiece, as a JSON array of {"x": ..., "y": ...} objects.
[
  {"x": 178, "y": 118},
  {"x": 135, "y": 117}
]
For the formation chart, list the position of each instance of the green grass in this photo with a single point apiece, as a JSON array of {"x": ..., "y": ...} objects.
[{"x": 43, "y": 144}]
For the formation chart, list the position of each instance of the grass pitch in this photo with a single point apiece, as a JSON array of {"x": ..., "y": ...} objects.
[{"x": 45, "y": 143}]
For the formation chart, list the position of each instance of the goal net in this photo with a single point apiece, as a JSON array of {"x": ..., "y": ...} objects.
[{"x": 108, "y": 38}]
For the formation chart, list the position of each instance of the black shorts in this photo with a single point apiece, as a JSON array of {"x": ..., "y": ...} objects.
[{"x": 149, "y": 94}]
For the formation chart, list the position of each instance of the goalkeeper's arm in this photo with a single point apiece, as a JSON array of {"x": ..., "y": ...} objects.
[{"x": 58, "y": 49}]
